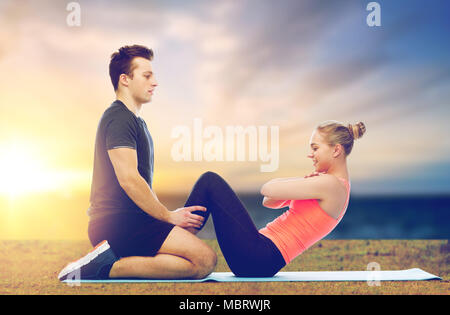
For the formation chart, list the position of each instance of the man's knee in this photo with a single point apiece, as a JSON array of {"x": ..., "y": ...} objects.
[
  {"x": 182, "y": 243},
  {"x": 205, "y": 263}
]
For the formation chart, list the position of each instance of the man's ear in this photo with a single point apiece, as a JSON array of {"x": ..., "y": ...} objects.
[{"x": 123, "y": 79}]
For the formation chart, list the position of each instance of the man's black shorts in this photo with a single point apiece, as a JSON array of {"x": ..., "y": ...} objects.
[{"x": 131, "y": 234}]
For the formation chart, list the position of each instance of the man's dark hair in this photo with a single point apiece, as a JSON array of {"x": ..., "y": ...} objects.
[{"x": 121, "y": 61}]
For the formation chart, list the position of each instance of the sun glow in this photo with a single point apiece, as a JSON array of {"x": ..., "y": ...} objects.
[{"x": 23, "y": 171}]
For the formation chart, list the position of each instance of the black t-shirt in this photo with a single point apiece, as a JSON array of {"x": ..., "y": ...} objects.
[{"x": 118, "y": 127}]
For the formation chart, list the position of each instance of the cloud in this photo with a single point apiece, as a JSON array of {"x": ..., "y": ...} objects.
[
  {"x": 12, "y": 13},
  {"x": 291, "y": 64}
]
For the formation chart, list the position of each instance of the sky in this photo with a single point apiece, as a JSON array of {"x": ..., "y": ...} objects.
[{"x": 288, "y": 65}]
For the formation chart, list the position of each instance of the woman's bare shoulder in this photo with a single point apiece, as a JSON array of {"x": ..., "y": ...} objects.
[{"x": 335, "y": 184}]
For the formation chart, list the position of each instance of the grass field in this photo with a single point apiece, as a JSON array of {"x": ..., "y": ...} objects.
[{"x": 31, "y": 267}]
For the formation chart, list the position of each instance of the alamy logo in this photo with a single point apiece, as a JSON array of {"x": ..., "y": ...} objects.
[
  {"x": 373, "y": 277},
  {"x": 374, "y": 17},
  {"x": 74, "y": 17},
  {"x": 212, "y": 143},
  {"x": 74, "y": 278}
]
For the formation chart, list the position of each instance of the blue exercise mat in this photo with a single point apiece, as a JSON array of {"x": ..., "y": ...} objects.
[{"x": 414, "y": 274}]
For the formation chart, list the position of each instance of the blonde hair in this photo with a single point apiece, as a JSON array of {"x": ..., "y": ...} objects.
[{"x": 335, "y": 132}]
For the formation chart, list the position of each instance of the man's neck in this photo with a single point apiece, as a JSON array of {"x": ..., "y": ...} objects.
[{"x": 130, "y": 103}]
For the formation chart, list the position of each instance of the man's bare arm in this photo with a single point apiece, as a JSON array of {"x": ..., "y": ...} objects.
[{"x": 124, "y": 161}]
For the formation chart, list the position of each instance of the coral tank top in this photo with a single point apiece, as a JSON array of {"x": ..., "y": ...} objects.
[{"x": 300, "y": 227}]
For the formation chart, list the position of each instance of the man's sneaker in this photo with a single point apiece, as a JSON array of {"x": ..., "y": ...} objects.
[{"x": 91, "y": 266}]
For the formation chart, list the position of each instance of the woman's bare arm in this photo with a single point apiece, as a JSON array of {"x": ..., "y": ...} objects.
[
  {"x": 275, "y": 204},
  {"x": 316, "y": 187}
]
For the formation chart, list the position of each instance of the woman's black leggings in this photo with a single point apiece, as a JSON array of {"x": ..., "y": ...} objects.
[{"x": 247, "y": 252}]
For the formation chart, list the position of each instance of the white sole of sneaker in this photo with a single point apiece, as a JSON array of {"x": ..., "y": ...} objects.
[{"x": 100, "y": 248}]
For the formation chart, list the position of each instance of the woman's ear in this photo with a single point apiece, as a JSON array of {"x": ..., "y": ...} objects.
[{"x": 338, "y": 150}]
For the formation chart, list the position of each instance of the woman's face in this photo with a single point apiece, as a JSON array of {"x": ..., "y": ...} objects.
[{"x": 321, "y": 153}]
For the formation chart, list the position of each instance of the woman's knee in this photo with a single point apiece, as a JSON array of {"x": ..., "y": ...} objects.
[
  {"x": 205, "y": 180},
  {"x": 208, "y": 176},
  {"x": 213, "y": 182}
]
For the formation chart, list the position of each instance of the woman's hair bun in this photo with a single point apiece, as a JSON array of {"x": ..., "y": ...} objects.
[{"x": 357, "y": 130}]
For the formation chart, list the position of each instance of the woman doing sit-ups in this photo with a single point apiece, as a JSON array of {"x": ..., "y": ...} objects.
[{"x": 317, "y": 203}]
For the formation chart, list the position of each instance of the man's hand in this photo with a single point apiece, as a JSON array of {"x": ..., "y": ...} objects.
[{"x": 183, "y": 217}]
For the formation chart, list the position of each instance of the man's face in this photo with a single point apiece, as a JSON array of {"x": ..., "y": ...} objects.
[{"x": 143, "y": 82}]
